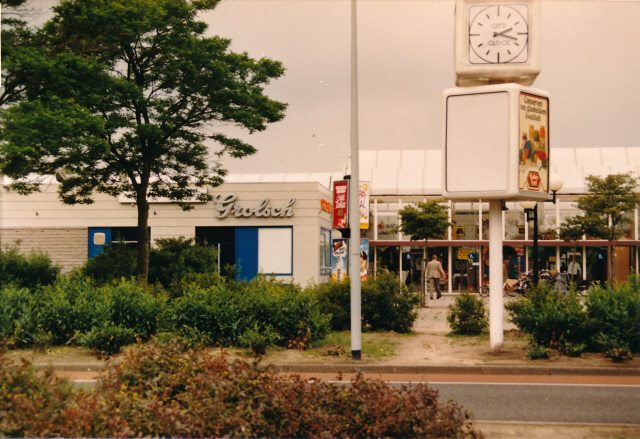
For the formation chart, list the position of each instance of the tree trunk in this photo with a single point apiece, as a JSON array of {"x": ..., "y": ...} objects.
[
  {"x": 612, "y": 249},
  {"x": 143, "y": 238}
]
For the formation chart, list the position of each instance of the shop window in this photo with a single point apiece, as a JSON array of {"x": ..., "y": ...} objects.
[
  {"x": 325, "y": 252},
  {"x": 275, "y": 250},
  {"x": 223, "y": 239},
  {"x": 99, "y": 237}
]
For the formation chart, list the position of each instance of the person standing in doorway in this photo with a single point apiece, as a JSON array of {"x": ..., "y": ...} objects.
[{"x": 434, "y": 272}]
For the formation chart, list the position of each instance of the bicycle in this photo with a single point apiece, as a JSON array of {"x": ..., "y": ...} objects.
[
  {"x": 519, "y": 288},
  {"x": 584, "y": 286}
]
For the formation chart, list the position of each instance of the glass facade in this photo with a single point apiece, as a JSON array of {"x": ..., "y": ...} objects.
[{"x": 464, "y": 250}]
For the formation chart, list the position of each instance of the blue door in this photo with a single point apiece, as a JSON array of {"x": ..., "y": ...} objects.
[
  {"x": 247, "y": 252},
  {"x": 95, "y": 249}
]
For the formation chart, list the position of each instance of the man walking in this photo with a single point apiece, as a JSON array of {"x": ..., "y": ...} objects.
[{"x": 434, "y": 271}]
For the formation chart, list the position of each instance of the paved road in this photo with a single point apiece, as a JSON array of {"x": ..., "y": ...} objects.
[{"x": 547, "y": 403}]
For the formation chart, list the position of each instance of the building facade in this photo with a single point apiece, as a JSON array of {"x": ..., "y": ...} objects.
[
  {"x": 281, "y": 223},
  {"x": 273, "y": 228}
]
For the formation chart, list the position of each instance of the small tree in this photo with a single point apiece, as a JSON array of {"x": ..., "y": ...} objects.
[
  {"x": 424, "y": 221},
  {"x": 126, "y": 96},
  {"x": 604, "y": 209}
]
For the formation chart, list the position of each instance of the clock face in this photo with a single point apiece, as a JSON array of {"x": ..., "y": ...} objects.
[{"x": 498, "y": 34}]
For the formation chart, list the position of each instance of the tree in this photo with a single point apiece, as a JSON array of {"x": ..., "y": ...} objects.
[
  {"x": 604, "y": 209},
  {"x": 123, "y": 99},
  {"x": 424, "y": 221}
]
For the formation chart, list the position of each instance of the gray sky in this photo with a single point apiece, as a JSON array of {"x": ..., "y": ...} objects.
[{"x": 590, "y": 67}]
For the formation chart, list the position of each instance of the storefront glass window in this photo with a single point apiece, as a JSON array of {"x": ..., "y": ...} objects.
[
  {"x": 325, "y": 252},
  {"x": 466, "y": 226},
  {"x": 465, "y": 268},
  {"x": 514, "y": 225}
]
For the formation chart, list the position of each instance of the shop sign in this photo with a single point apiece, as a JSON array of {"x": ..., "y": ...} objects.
[
  {"x": 226, "y": 205},
  {"x": 463, "y": 253},
  {"x": 326, "y": 206},
  {"x": 340, "y": 204}
]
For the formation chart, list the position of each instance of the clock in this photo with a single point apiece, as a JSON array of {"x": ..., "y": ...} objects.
[
  {"x": 497, "y": 42},
  {"x": 498, "y": 34}
]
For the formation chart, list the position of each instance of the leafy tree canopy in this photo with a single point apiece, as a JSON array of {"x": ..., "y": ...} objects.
[
  {"x": 603, "y": 210},
  {"x": 424, "y": 220},
  {"x": 123, "y": 95}
]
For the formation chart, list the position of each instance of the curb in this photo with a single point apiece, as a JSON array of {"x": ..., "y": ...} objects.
[
  {"x": 400, "y": 369},
  {"x": 479, "y": 370}
]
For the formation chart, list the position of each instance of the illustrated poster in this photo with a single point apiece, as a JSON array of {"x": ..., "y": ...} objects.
[
  {"x": 364, "y": 205},
  {"x": 364, "y": 259},
  {"x": 340, "y": 204},
  {"x": 534, "y": 144},
  {"x": 339, "y": 260}
]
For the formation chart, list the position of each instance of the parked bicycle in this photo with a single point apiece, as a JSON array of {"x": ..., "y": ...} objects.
[{"x": 511, "y": 289}]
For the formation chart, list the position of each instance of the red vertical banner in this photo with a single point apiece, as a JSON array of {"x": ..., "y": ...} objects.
[{"x": 340, "y": 204}]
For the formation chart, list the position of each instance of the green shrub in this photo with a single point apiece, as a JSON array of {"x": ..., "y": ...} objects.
[
  {"x": 66, "y": 307},
  {"x": 258, "y": 339},
  {"x": 221, "y": 314},
  {"x": 18, "y": 317},
  {"x": 537, "y": 351},
  {"x": 176, "y": 258},
  {"x": 100, "y": 318},
  {"x": 163, "y": 391},
  {"x": 550, "y": 317},
  {"x": 107, "y": 338},
  {"x": 614, "y": 348},
  {"x": 28, "y": 270},
  {"x": 616, "y": 313},
  {"x": 467, "y": 315},
  {"x": 387, "y": 304},
  {"x": 572, "y": 349},
  {"x": 172, "y": 261},
  {"x": 114, "y": 262}
]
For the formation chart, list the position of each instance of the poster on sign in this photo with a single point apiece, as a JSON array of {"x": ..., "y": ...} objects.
[
  {"x": 339, "y": 260},
  {"x": 364, "y": 205},
  {"x": 533, "y": 154},
  {"x": 364, "y": 259},
  {"x": 340, "y": 204}
]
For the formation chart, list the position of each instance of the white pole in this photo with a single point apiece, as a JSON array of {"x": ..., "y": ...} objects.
[
  {"x": 496, "y": 335},
  {"x": 354, "y": 195},
  {"x": 558, "y": 233},
  {"x": 400, "y": 236},
  {"x": 635, "y": 234}
]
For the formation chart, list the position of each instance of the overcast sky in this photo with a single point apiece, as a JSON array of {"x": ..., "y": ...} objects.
[{"x": 590, "y": 67}]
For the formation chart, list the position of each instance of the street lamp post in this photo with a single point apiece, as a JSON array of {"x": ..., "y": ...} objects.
[{"x": 555, "y": 184}]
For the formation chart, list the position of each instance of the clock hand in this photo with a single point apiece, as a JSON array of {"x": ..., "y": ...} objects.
[
  {"x": 501, "y": 34},
  {"x": 495, "y": 34}
]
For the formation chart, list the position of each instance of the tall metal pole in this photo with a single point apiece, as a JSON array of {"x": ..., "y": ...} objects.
[
  {"x": 496, "y": 306},
  {"x": 354, "y": 196}
]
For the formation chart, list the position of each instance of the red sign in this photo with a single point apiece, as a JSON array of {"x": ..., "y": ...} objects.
[
  {"x": 533, "y": 179},
  {"x": 340, "y": 204}
]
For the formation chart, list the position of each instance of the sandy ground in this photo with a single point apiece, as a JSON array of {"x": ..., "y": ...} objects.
[{"x": 432, "y": 345}]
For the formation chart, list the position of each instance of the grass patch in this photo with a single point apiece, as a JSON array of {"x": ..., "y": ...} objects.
[{"x": 376, "y": 345}]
